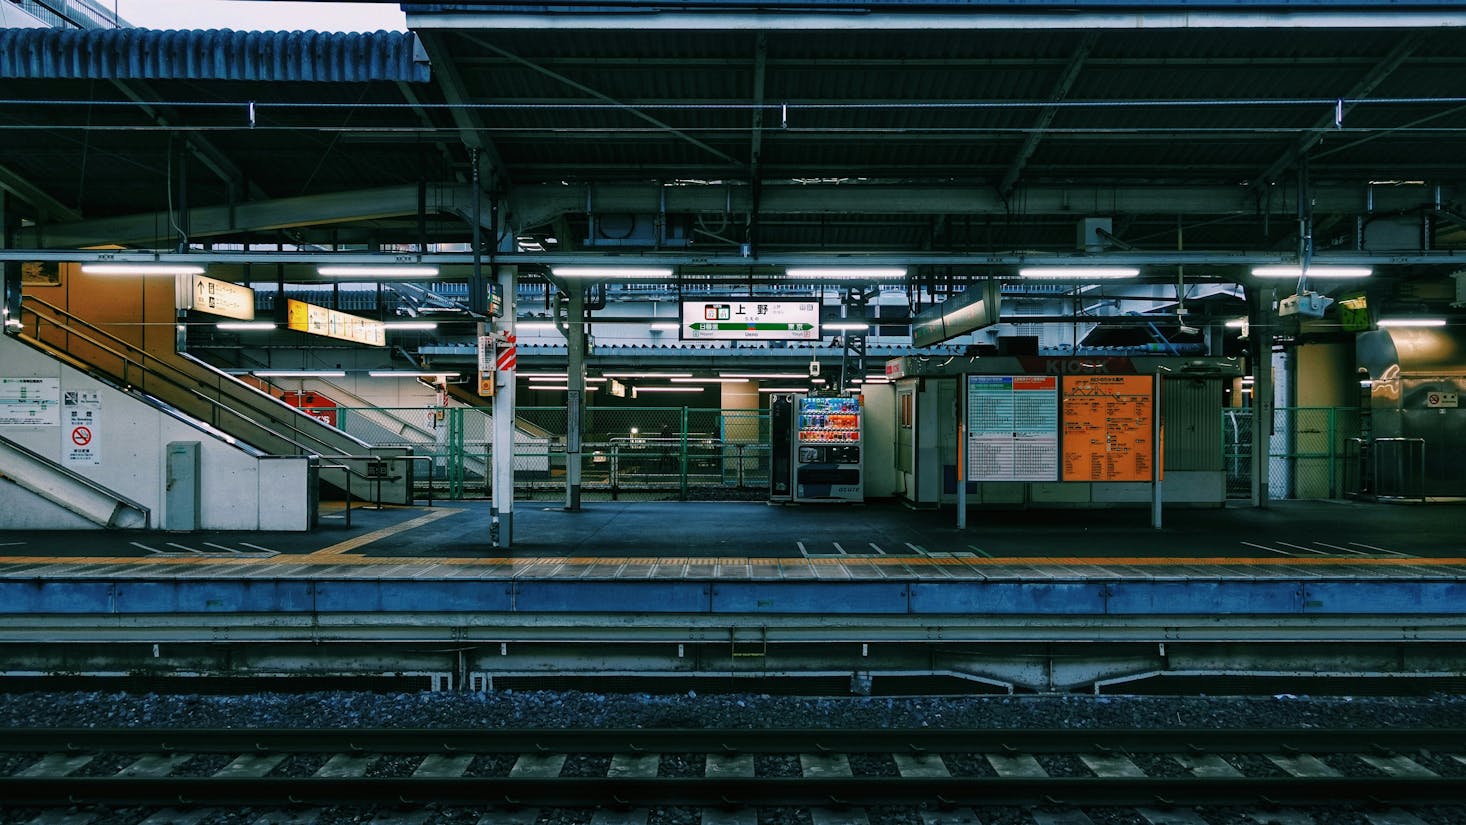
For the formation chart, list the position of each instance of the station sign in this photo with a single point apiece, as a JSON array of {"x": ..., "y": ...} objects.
[
  {"x": 216, "y": 297},
  {"x": 750, "y": 319},
  {"x": 309, "y": 318}
]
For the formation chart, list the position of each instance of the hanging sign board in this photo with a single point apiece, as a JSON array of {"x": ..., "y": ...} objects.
[
  {"x": 303, "y": 317},
  {"x": 30, "y": 402},
  {"x": 750, "y": 319},
  {"x": 216, "y": 297},
  {"x": 1108, "y": 427},
  {"x": 1012, "y": 428}
]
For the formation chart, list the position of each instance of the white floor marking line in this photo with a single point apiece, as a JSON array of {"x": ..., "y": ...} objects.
[
  {"x": 1341, "y": 549},
  {"x": 978, "y": 550},
  {"x": 10, "y": 543},
  {"x": 145, "y": 547},
  {"x": 802, "y": 551},
  {"x": 1265, "y": 547},
  {"x": 259, "y": 548},
  {"x": 220, "y": 547},
  {"x": 876, "y": 547},
  {"x": 839, "y": 548},
  {"x": 1301, "y": 547},
  {"x": 183, "y": 547},
  {"x": 1379, "y": 549},
  {"x": 920, "y": 551}
]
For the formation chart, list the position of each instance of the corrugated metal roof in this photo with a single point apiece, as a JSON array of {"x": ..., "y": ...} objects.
[{"x": 137, "y": 54}]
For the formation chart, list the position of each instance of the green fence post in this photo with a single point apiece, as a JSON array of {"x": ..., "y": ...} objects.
[
  {"x": 454, "y": 459},
  {"x": 1333, "y": 471},
  {"x": 684, "y": 453}
]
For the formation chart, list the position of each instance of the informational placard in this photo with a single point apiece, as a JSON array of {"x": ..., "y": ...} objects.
[
  {"x": 30, "y": 402},
  {"x": 82, "y": 428},
  {"x": 1108, "y": 427},
  {"x": 750, "y": 319},
  {"x": 303, "y": 317},
  {"x": 216, "y": 297},
  {"x": 1012, "y": 428},
  {"x": 486, "y": 365}
]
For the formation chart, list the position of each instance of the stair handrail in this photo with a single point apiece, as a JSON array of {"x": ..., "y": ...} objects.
[
  {"x": 214, "y": 404},
  {"x": 286, "y": 416},
  {"x": 78, "y": 478}
]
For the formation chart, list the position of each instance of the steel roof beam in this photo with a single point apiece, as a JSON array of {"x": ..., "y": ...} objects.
[
  {"x": 1046, "y": 117},
  {"x": 48, "y": 207},
  {"x": 139, "y": 92},
  {"x": 1325, "y": 124},
  {"x": 537, "y": 205},
  {"x": 628, "y": 108},
  {"x": 863, "y": 20},
  {"x": 472, "y": 129}
]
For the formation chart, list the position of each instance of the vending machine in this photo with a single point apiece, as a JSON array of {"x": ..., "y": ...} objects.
[{"x": 828, "y": 457}]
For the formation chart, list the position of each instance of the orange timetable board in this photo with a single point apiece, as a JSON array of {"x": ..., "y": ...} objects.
[{"x": 1108, "y": 427}]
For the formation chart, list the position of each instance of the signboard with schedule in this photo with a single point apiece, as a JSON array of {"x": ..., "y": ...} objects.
[
  {"x": 1108, "y": 427},
  {"x": 750, "y": 319}
]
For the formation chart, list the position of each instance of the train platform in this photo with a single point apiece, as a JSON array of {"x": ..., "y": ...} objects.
[{"x": 1293, "y": 557}]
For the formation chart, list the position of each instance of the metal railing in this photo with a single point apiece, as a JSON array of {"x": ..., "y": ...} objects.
[{"x": 1398, "y": 468}]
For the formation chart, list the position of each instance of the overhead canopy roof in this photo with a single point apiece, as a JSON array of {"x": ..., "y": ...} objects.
[{"x": 963, "y": 129}]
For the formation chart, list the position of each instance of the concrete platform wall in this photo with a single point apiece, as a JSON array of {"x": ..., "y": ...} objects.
[{"x": 239, "y": 491}]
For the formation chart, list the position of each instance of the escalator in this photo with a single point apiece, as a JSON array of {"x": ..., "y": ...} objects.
[{"x": 216, "y": 399}]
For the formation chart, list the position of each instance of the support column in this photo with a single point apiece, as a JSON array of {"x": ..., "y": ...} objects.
[
  {"x": 574, "y": 330},
  {"x": 1260, "y": 323},
  {"x": 502, "y": 507}
]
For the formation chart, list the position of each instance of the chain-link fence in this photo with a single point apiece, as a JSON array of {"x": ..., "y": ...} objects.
[
  {"x": 642, "y": 453},
  {"x": 1309, "y": 451}
]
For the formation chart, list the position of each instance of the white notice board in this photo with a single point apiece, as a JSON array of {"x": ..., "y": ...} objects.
[
  {"x": 30, "y": 402},
  {"x": 1012, "y": 428}
]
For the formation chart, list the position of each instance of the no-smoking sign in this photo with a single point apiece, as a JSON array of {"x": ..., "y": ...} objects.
[{"x": 81, "y": 436}]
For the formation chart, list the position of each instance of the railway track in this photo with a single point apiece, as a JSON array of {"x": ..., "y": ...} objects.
[{"x": 1162, "y": 775}]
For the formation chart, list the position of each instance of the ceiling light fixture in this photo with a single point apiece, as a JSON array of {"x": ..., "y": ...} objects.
[
  {"x": 1079, "y": 273},
  {"x": 381, "y": 271},
  {"x": 783, "y": 389},
  {"x": 850, "y": 325},
  {"x": 668, "y": 389},
  {"x": 647, "y": 374},
  {"x": 142, "y": 269},
  {"x": 612, "y": 271},
  {"x": 299, "y": 373},
  {"x": 846, "y": 272},
  {"x": 785, "y": 375},
  {"x": 245, "y": 325},
  {"x": 411, "y": 324},
  {"x": 532, "y": 325},
  {"x": 410, "y": 374},
  {"x": 708, "y": 380},
  {"x": 1412, "y": 322},
  {"x": 1313, "y": 272}
]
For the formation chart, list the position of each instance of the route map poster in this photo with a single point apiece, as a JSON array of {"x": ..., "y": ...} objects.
[
  {"x": 1012, "y": 428},
  {"x": 1108, "y": 427}
]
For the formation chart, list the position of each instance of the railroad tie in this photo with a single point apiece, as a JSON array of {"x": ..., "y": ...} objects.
[
  {"x": 729, "y": 765},
  {"x": 819, "y": 765},
  {"x": 931, "y": 766},
  {"x": 628, "y": 766}
]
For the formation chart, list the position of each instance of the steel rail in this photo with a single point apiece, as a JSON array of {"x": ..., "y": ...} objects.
[
  {"x": 622, "y": 792},
  {"x": 791, "y": 740}
]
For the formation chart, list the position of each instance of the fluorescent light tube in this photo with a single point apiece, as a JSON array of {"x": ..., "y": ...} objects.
[
  {"x": 783, "y": 389},
  {"x": 647, "y": 374},
  {"x": 1237, "y": 323},
  {"x": 666, "y": 326},
  {"x": 851, "y": 325},
  {"x": 245, "y": 325},
  {"x": 668, "y": 389},
  {"x": 379, "y": 271},
  {"x": 1079, "y": 273},
  {"x": 1412, "y": 322},
  {"x": 1313, "y": 271},
  {"x": 410, "y": 324},
  {"x": 535, "y": 325},
  {"x": 410, "y": 374},
  {"x": 785, "y": 375},
  {"x": 612, "y": 271},
  {"x": 142, "y": 269},
  {"x": 300, "y": 373},
  {"x": 708, "y": 380},
  {"x": 845, "y": 272}
]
